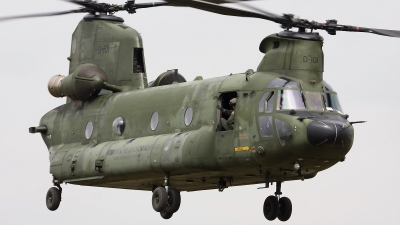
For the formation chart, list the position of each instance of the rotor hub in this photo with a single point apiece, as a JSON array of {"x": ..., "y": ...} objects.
[
  {"x": 91, "y": 17},
  {"x": 301, "y": 35}
]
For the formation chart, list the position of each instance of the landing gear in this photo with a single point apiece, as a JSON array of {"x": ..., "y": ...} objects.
[
  {"x": 166, "y": 215},
  {"x": 174, "y": 200},
  {"x": 53, "y": 197},
  {"x": 221, "y": 185},
  {"x": 275, "y": 206},
  {"x": 271, "y": 207},
  {"x": 285, "y": 209},
  {"x": 159, "y": 199},
  {"x": 166, "y": 200}
]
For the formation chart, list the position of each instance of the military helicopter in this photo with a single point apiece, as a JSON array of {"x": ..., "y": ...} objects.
[{"x": 100, "y": 137}]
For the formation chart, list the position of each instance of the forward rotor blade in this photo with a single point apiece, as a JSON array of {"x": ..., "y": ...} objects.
[
  {"x": 227, "y": 1},
  {"x": 152, "y": 4},
  {"x": 383, "y": 32},
  {"x": 41, "y": 15},
  {"x": 332, "y": 28},
  {"x": 224, "y": 10}
]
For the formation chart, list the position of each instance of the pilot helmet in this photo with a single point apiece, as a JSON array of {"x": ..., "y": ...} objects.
[{"x": 232, "y": 101}]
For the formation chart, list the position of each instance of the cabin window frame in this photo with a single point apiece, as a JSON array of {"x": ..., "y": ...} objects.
[
  {"x": 154, "y": 120},
  {"x": 119, "y": 125},
  {"x": 89, "y": 130},
  {"x": 186, "y": 116}
]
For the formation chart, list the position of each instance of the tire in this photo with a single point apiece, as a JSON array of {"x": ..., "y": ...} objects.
[
  {"x": 53, "y": 198},
  {"x": 174, "y": 200},
  {"x": 159, "y": 199},
  {"x": 285, "y": 209},
  {"x": 271, "y": 207},
  {"x": 166, "y": 215}
]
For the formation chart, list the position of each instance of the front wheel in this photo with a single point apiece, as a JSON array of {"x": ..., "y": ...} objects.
[
  {"x": 271, "y": 207},
  {"x": 159, "y": 199},
  {"x": 285, "y": 209},
  {"x": 53, "y": 198}
]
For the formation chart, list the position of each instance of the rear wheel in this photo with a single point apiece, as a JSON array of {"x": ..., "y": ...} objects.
[
  {"x": 159, "y": 199},
  {"x": 166, "y": 215},
  {"x": 285, "y": 209},
  {"x": 53, "y": 198},
  {"x": 271, "y": 207},
  {"x": 174, "y": 200}
]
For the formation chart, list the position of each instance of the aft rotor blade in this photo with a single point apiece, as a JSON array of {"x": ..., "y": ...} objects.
[
  {"x": 42, "y": 14},
  {"x": 240, "y": 2},
  {"x": 224, "y": 10},
  {"x": 82, "y": 2}
]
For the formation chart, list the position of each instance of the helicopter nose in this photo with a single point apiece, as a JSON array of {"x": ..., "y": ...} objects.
[{"x": 330, "y": 133}]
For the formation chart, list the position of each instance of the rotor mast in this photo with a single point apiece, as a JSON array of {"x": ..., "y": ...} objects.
[{"x": 293, "y": 54}]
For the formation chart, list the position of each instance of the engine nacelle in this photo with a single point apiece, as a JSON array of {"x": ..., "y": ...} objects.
[{"x": 85, "y": 82}]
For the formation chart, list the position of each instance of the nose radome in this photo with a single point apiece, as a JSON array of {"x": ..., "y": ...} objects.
[{"x": 330, "y": 133}]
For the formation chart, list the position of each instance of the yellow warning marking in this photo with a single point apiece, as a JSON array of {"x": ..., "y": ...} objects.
[{"x": 245, "y": 148}]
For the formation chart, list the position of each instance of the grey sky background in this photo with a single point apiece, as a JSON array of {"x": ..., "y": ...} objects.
[{"x": 362, "y": 68}]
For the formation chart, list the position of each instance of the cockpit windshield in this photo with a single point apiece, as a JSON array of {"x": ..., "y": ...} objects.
[
  {"x": 314, "y": 100},
  {"x": 294, "y": 97},
  {"x": 290, "y": 99}
]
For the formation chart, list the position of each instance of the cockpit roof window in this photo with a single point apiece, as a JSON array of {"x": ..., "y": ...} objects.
[
  {"x": 283, "y": 82},
  {"x": 327, "y": 87}
]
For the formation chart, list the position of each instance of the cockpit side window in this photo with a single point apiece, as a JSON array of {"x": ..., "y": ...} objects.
[
  {"x": 266, "y": 128},
  {"x": 332, "y": 102},
  {"x": 266, "y": 102},
  {"x": 290, "y": 99},
  {"x": 331, "y": 98}
]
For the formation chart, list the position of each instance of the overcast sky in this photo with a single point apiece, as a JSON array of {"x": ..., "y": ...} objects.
[{"x": 363, "y": 68}]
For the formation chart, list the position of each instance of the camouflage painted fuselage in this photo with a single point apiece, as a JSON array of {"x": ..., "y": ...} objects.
[{"x": 195, "y": 154}]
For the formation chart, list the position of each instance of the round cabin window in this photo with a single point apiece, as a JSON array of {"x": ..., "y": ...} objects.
[
  {"x": 188, "y": 116},
  {"x": 89, "y": 130},
  {"x": 154, "y": 121},
  {"x": 119, "y": 125}
]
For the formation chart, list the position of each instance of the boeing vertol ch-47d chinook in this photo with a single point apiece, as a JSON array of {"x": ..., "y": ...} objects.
[{"x": 114, "y": 132}]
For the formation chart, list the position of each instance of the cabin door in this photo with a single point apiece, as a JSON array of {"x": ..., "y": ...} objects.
[
  {"x": 225, "y": 130},
  {"x": 232, "y": 140}
]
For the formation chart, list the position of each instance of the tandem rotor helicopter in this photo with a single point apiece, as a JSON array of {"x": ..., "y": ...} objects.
[{"x": 113, "y": 131}]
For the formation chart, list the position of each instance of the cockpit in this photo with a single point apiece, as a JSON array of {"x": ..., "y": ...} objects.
[{"x": 284, "y": 94}]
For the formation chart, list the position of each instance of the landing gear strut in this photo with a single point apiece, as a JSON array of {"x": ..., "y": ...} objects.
[
  {"x": 275, "y": 206},
  {"x": 53, "y": 197},
  {"x": 221, "y": 185},
  {"x": 166, "y": 200}
]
